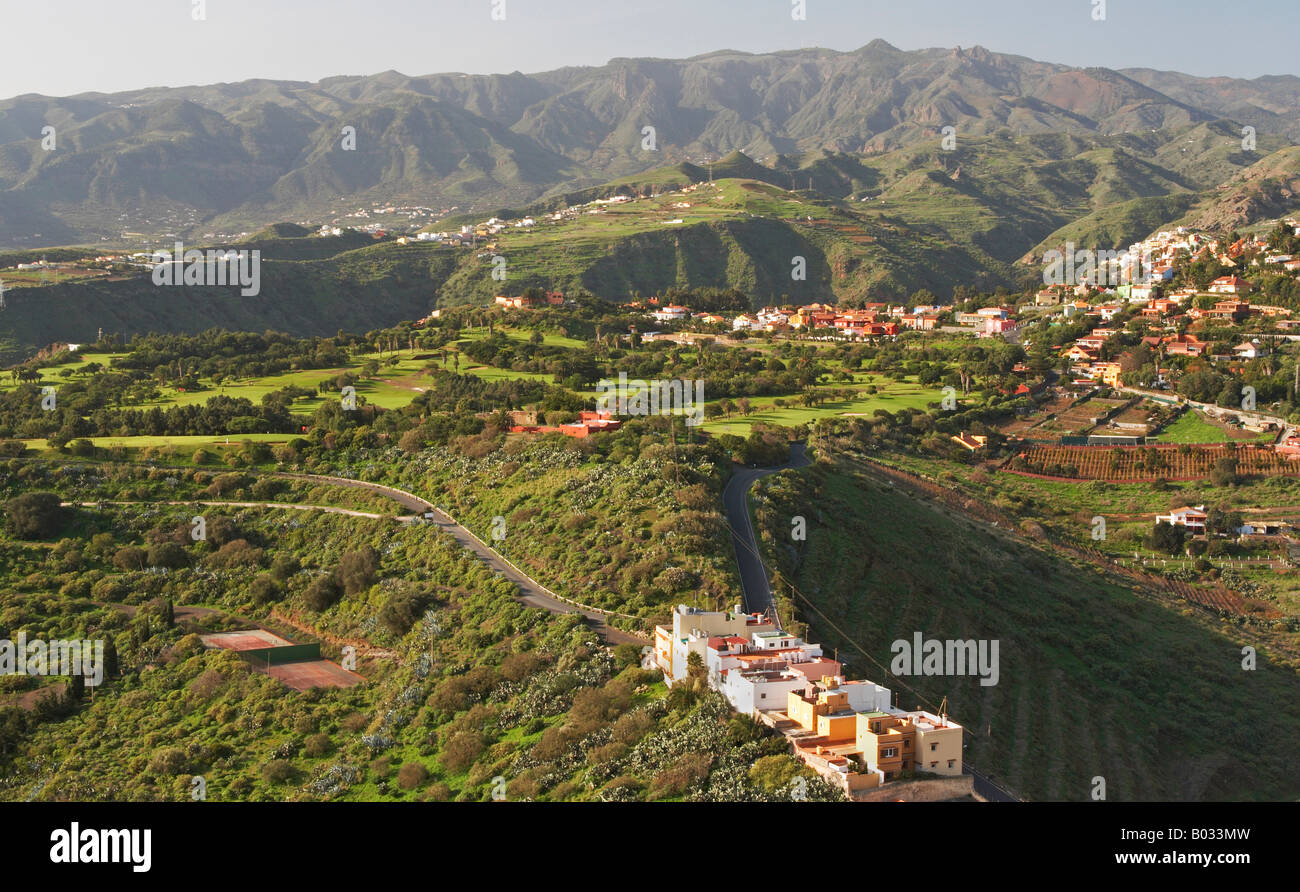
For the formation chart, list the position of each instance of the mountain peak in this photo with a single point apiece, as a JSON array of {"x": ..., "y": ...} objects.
[{"x": 880, "y": 46}]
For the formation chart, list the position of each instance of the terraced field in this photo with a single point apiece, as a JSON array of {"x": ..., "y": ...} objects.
[{"x": 1138, "y": 463}]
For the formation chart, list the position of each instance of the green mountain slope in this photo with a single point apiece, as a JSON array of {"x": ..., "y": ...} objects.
[
  {"x": 1096, "y": 678},
  {"x": 232, "y": 157}
]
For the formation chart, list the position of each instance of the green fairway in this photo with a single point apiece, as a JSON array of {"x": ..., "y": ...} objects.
[
  {"x": 183, "y": 442},
  {"x": 522, "y": 334},
  {"x": 892, "y": 396}
]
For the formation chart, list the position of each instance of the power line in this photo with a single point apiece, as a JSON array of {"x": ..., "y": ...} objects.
[{"x": 848, "y": 638}]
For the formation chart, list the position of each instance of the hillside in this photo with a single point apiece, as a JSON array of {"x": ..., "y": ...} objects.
[
  {"x": 357, "y": 289},
  {"x": 917, "y": 217},
  {"x": 1096, "y": 678},
  {"x": 234, "y": 157}
]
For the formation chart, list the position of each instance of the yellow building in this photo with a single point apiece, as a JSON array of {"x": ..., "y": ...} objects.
[
  {"x": 886, "y": 742},
  {"x": 914, "y": 741},
  {"x": 1107, "y": 372},
  {"x": 827, "y": 714},
  {"x": 938, "y": 744}
]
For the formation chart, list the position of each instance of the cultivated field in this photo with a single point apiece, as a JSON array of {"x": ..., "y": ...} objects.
[{"x": 1131, "y": 463}]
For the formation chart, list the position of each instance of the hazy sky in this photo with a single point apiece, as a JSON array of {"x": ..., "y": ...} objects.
[{"x": 60, "y": 47}]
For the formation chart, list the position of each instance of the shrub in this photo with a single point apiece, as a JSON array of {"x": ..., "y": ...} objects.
[
  {"x": 130, "y": 558},
  {"x": 284, "y": 566},
  {"x": 168, "y": 554},
  {"x": 323, "y": 593},
  {"x": 168, "y": 760},
  {"x": 278, "y": 771},
  {"x": 237, "y": 553},
  {"x": 318, "y": 745},
  {"x": 357, "y": 569},
  {"x": 35, "y": 515},
  {"x": 264, "y": 590},
  {"x": 412, "y": 775},
  {"x": 461, "y": 751},
  {"x": 773, "y": 773}
]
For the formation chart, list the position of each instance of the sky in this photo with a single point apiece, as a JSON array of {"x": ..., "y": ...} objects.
[{"x": 64, "y": 47}]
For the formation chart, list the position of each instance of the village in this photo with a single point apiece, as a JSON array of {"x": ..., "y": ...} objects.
[{"x": 849, "y": 732}]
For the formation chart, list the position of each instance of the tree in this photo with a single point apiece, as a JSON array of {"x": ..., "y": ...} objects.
[
  {"x": 323, "y": 592},
  {"x": 695, "y": 666},
  {"x": 110, "y": 657},
  {"x": 264, "y": 590},
  {"x": 1218, "y": 520},
  {"x": 1225, "y": 472},
  {"x": 1166, "y": 537},
  {"x": 35, "y": 515},
  {"x": 357, "y": 569},
  {"x": 168, "y": 554},
  {"x": 128, "y": 558},
  {"x": 76, "y": 689}
]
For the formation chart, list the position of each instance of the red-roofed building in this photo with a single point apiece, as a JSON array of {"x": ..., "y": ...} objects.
[{"x": 1230, "y": 285}]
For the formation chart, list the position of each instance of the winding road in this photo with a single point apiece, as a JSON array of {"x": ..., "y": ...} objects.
[
  {"x": 754, "y": 584},
  {"x": 531, "y": 592}
]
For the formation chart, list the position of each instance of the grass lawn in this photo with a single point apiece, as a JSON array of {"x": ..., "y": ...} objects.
[
  {"x": 1190, "y": 427},
  {"x": 522, "y": 334},
  {"x": 234, "y": 441},
  {"x": 51, "y": 375},
  {"x": 893, "y": 396}
]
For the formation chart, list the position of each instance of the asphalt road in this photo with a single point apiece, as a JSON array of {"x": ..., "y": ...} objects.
[
  {"x": 755, "y": 587},
  {"x": 531, "y": 592},
  {"x": 987, "y": 788}
]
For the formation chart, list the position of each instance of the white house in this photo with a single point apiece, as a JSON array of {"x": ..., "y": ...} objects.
[
  {"x": 1191, "y": 518},
  {"x": 670, "y": 313}
]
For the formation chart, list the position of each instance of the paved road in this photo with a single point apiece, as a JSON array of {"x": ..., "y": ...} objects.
[
  {"x": 531, "y": 592},
  {"x": 291, "y": 506},
  {"x": 754, "y": 584},
  {"x": 987, "y": 788}
]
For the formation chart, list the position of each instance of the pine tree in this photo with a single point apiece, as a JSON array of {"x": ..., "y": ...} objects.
[{"x": 110, "y": 657}]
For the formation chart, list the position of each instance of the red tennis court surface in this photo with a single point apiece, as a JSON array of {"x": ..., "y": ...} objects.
[
  {"x": 313, "y": 674},
  {"x": 252, "y": 639}
]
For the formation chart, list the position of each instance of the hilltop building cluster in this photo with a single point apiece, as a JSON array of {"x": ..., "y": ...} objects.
[{"x": 847, "y": 731}]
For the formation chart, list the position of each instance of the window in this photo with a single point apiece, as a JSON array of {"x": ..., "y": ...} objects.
[
  {"x": 933, "y": 747},
  {"x": 889, "y": 753},
  {"x": 762, "y": 696},
  {"x": 907, "y": 744},
  {"x": 875, "y": 727},
  {"x": 934, "y": 764},
  {"x": 950, "y": 762}
]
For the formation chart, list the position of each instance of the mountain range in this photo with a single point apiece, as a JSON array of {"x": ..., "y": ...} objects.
[{"x": 234, "y": 157}]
